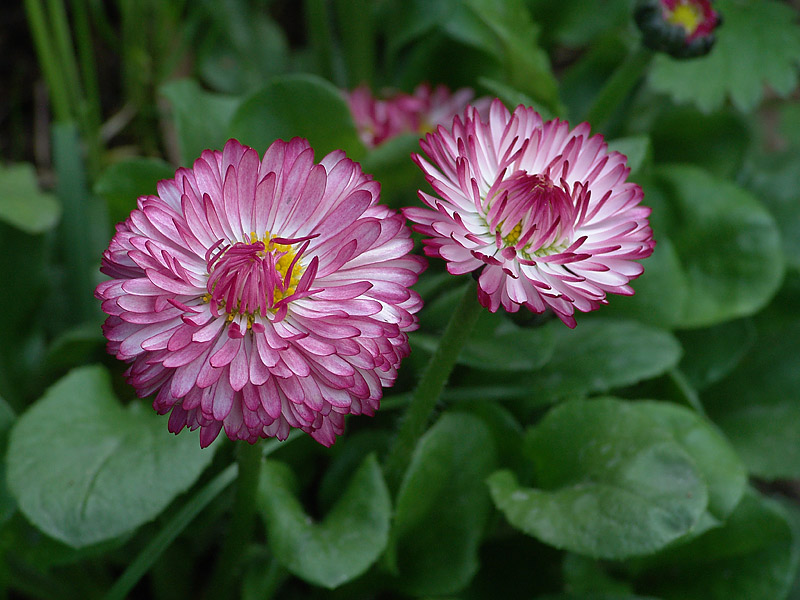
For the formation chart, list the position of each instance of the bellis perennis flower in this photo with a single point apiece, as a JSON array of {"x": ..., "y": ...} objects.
[
  {"x": 261, "y": 295},
  {"x": 380, "y": 119},
  {"x": 541, "y": 213}
]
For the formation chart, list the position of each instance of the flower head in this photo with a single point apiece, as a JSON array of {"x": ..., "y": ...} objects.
[
  {"x": 542, "y": 214},
  {"x": 261, "y": 295},
  {"x": 380, "y": 119},
  {"x": 681, "y": 28}
]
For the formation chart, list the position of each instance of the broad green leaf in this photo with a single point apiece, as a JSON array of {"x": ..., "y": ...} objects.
[
  {"x": 613, "y": 483},
  {"x": 345, "y": 543},
  {"x": 7, "y": 503},
  {"x": 201, "y": 118},
  {"x": 758, "y": 405},
  {"x": 298, "y": 105},
  {"x": 442, "y": 507},
  {"x": 348, "y": 454},
  {"x": 85, "y": 469},
  {"x": 717, "y": 142},
  {"x": 124, "y": 182},
  {"x": 660, "y": 292},
  {"x": 721, "y": 469},
  {"x": 758, "y": 46},
  {"x": 599, "y": 355},
  {"x": 749, "y": 557},
  {"x": 22, "y": 204},
  {"x": 713, "y": 352},
  {"x": 728, "y": 244},
  {"x": 497, "y": 344},
  {"x": 506, "y": 431},
  {"x": 242, "y": 48},
  {"x": 775, "y": 180}
]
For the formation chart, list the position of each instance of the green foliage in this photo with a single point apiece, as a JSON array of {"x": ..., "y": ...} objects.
[
  {"x": 758, "y": 405},
  {"x": 124, "y": 182},
  {"x": 340, "y": 547},
  {"x": 758, "y": 45},
  {"x": 7, "y": 503},
  {"x": 728, "y": 244},
  {"x": 22, "y": 204},
  {"x": 522, "y": 484},
  {"x": 442, "y": 507},
  {"x": 599, "y": 355},
  {"x": 83, "y": 469},
  {"x": 297, "y": 105},
  {"x": 751, "y": 557},
  {"x": 613, "y": 480},
  {"x": 201, "y": 118}
]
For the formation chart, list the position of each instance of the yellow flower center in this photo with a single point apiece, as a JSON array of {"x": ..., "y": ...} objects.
[{"x": 687, "y": 16}]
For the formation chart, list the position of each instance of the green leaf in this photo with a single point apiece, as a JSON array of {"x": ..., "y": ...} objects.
[
  {"x": 442, "y": 507},
  {"x": 721, "y": 469},
  {"x": 201, "y": 118},
  {"x": 84, "y": 469},
  {"x": 298, "y": 105},
  {"x": 345, "y": 543},
  {"x": 713, "y": 352},
  {"x": 758, "y": 46},
  {"x": 749, "y": 557},
  {"x": 758, "y": 405},
  {"x": 497, "y": 344},
  {"x": 661, "y": 291},
  {"x": 599, "y": 355},
  {"x": 7, "y": 504},
  {"x": 728, "y": 244},
  {"x": 717, "y": 142},
  {"x": 613, "y": 483},
  {"x": 22, "y": 204},
  {"x": 124, "y": 182},
  {"x": 775, "y": 180}
]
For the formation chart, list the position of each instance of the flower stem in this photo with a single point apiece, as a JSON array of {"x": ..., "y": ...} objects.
[
  {"x": 431, "y": 385},
  {"x": 617, "y": 88},
  {"x": 249, "y": 458}
]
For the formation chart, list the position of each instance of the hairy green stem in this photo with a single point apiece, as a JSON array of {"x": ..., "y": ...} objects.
[{"x": 431, "y": 385}]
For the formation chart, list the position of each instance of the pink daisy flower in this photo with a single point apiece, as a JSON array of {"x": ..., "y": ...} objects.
[
  {"x": 379, "y": 119},
  {"x": 542, "y": 213},
  {"x": 261, "y": 295}
]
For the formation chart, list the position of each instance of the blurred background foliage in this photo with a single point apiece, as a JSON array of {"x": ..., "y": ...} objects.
[{"x": 101, "y": 99}]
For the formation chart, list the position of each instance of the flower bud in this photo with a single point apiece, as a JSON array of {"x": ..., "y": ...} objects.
[{"x": 681, "y": 28}]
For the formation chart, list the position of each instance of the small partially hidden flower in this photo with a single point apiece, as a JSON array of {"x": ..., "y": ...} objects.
[
  {"x": 681, "y": 28},
  {"x": 380, "y": 119},
  {"x": 541, "y": 214},
  {"x": 261, "y": 295}
]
